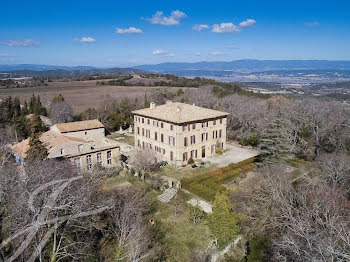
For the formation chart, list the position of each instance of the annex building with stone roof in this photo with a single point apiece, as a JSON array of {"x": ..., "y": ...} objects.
[
  {"x": 179, "y": 131},
  {"x": 83, "y": 142}
]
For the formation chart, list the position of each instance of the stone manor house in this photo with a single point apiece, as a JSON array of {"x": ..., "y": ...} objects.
[
  {"x": 178, "y": 131},
  {"x": 83, "y": 142}
]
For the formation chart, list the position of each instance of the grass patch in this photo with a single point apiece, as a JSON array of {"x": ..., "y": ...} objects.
[
  {"x": 207, "y": 185},
  {"x": 182, "y": 236}
]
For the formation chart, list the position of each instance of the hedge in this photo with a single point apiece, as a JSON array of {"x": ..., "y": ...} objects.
[{"x": 208, "y": 184}]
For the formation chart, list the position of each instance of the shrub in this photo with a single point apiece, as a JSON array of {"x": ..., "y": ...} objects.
[
  {"x": 259, "y": 249},
  {"x": 190, "y": 161},
  {"x": 252, "y": 140}
]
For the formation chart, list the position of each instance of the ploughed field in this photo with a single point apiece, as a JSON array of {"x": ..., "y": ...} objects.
[{"x": 79, "y": 94}]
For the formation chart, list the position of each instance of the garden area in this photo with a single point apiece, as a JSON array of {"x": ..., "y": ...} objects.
[{"x": 207, "y": 185}]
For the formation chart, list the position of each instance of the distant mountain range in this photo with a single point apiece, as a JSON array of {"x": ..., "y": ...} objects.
[
  {"x": 66, "y": 73},
  {"x": 247, "y": 65},
  {"x": 42, "y": 67}
]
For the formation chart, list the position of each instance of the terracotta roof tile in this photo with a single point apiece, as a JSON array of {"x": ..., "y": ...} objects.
[
  {"x": 179, "y": 113},
  {"x": 79, "y": 126}
]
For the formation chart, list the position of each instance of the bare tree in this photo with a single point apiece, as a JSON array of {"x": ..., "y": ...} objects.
[
  {"x": 128, "y": 226},
  {"x": 143, "y": 160},
  {"x": 61, "y": 112},
  {"x": 50, "y": 197},
  {"x": 307, "y": 220}
]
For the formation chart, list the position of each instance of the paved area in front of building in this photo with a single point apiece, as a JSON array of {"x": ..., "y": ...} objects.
[{"x": 236, "y": 153}]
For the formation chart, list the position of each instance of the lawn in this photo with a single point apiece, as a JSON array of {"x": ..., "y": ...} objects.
[{"x": 208, "y": 184}]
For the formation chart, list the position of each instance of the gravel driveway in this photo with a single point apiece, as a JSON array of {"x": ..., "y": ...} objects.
[{"x": 235, "y": 154}]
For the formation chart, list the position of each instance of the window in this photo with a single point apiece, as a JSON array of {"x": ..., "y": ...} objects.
[
  {"x": 184, "y": 156},
  {"x": 143, "y": 132},
  {"x": 212, "y": 148},
  {"x": 77, "y": 162},
  {"x": 88, "y": 162},
  {"x": 163, "y": 151},
  {"x": 185, "y": 141},
  {"x": 162, "y": 125},
  {"x": 143, "y": 120},
  {"x": 213, "y": 134},
  {"x": 155, "y": 123},
  {"x": 194, "y": 126},
  {"x": 214, "y": 122},
  {"x": 216, "y": 134},
  {"x": 171, "y": 140},
  {"x": 195, "y": 155},
  {"x": 148, "y": 133},
  {"x": 206, "y": 136},
  {"x": 193, "y": 139},
  {"x": 220, "y": 133},
  {"x": 148, "y": 121},
  {"x": 99, "y": 158},
  {"x": 171, "y": 127},
  {"x": 185, "y": 128},
  {"x": 220, "y": 120},
  {"x": 162, "y": 138},
  {"x": 155, "y": 136},
  {"x": 85, "y": 133},
  {"x": 205, "y": 124},
  {"x": 109, "y": 157},
  {"x": 138, "y": 143},
  {"x": 203, "y": 137},
  {"x": 143, "y": 144},
  {"x": 192, "y": 154},
  {"x": 80, "y": 147},
  {"x": 171, "y": 156},
  {"x": 62, "y": 151},
  {"x": 138, "y": 130}
]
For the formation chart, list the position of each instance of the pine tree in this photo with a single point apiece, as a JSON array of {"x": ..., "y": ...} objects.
[
  {"x": 36, "y": 151},
  {"x": 145, "y": 103},
  {"x": 223, "y": 221},
  {"x": 25, "y": 109},
  {"x": 58, "y": 98},
  {"x": 37, "y": 126},
  {"x": 274, "y": 144}
]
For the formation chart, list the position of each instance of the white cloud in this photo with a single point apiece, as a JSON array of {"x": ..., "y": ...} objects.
[
  {"x": 247, "y": 23},
  {"x": 160, "y": 19},
  {"x": 200, "y": 27},
  {"x": 87, "y": 39},
  {"x": 197, "y": 54},
  {"x": 20, "y": 43},
  {"x": 215, "y": 53},
  {"x": 162, "y": 53},
  {"x": 312, "y": 24},
  {"x": 225, "y": 28},
  {"x": 4, "y": 55},
  {"x": 130, "y": 30}
]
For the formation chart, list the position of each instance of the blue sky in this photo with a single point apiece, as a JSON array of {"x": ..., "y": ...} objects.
[{"x": 86, "y": 32}]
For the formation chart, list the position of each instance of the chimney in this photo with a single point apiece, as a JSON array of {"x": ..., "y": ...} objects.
[{"x": 152, "y": 105}]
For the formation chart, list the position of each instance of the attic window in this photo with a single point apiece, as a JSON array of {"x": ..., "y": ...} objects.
[
  {"x": 62, "y": 151},
  {"x": 85, "y": 133},
  {"x": 80, "y": 147}
]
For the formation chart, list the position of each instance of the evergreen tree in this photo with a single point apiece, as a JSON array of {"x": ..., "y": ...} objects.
[
  {"x": 58, "y": 98},
  {"x": 275, "y": 143},
  {"x": 25, "y": 109},
  {"x": 37, "y": 126},
  {"x": 146, "y": 103},
  {"x": 223, "y": 221},
  {"x": 36, "y": 151}
]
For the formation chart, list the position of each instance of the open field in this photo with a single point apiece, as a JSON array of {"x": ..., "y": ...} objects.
[{"x": 79, "y": 94}]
